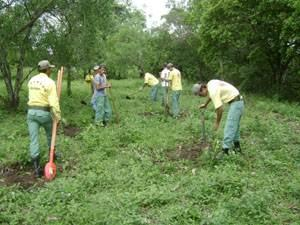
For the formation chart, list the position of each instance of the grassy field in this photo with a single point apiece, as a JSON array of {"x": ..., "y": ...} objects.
[{"x": 151, "y": 169}]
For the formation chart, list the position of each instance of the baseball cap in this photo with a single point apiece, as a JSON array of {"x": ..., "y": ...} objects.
[
  {"x": 169, "y": 65},
  {"x": 196, "y": 88},
  {"x": 45, "y": 64},
  {"x": 96, "y": 67}
]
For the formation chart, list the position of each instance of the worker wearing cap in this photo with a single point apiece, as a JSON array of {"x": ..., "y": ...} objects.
[
  {"x": 221, "y": 92},
  {"x": 43, "y": 106},
  {"x": 153, "y": 82},
  {"x": 103, "y": 110},
  {"x": 176, "y": 87},
  {"x": 164, "y": 75}
]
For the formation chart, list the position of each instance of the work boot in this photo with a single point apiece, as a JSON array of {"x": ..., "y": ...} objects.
[
  {"x": 37, "y": 169},
  {"x": 237, "y": 147},
  {"x": 222, "y": 154},
  {"x": 99, "y": 124},
  {"x": 225, "y": 151}
]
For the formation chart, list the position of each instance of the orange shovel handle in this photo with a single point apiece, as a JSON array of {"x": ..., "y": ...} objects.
[{"x": 55, "y": 122}]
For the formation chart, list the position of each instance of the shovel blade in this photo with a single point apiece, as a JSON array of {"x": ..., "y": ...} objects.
[{"x": 50, "y": 171}]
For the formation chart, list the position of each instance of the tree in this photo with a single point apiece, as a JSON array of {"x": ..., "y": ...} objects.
[
  {"x": 18, "y": 19},
  {"x": 49, "y": 26},
  {"x": 257, "y": 38}
]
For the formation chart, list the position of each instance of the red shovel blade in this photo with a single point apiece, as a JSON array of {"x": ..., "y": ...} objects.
[{"x": 50, "y": 171}]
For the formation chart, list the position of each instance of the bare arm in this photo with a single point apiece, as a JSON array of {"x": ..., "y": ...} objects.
[
  {"x": 206, "y": 103},
  {"x": 219, "y": 112},
  {"x": 102, "y": 86}
]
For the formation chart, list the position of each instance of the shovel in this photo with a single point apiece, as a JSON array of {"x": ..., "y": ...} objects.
[
  {"x": 167, "y": 102},
  {"x": 130, "y": 95},
  {"x": 50, "y": 168},
  {"x": 114, "y": 105},
  {"x": 203, "y": 135}
]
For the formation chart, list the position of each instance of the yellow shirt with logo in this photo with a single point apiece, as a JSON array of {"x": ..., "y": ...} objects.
[
  {"x": 221, "y": 92},
  {"x": 150, "y": 79},
  {"x": 42, "y": 92},
  {"x": 175, "y": 78}
]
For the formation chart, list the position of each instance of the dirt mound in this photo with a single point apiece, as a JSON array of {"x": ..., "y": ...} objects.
[
  {"x": 19, "y": 175},
  {"x": 191, "y": 152},
  {"x": 71, "y": 131}
]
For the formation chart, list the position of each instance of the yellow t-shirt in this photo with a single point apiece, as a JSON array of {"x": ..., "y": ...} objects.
[
  {"x": 89, "y": 78},
  {"x": 42, "y": 92},
  {"x": 221, "y": 92},
  {"x": 150, "y": 79},
  {"x": 175, "y": 78}
]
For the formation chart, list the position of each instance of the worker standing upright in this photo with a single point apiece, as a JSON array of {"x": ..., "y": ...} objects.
[
  {"x": 176, "y": 87},
  {"x": 89, "y": 79},
  {"x": 103, "y": 110},
  {"x": 43, "y": 107}
]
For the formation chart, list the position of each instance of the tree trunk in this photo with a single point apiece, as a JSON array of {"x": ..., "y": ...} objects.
[
  {"x": 69, "y": 81},
  {"x": 5, "y": 69},
  {"x": 14, "y": 91}
]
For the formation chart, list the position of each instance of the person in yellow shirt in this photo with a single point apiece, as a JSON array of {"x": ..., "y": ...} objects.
[
  {"x": 43, "y": 106},
  {"x": 221, "y": 92},
  {"x": 89, "y": 79},
  {"x": 153, "y": 82},
  {"x": 176, "y": 87}
]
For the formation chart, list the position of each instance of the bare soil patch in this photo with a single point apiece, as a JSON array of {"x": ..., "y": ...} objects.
[
  {"x": 191, "y": 152},
  {"x": 19, "y": 175},
  {"x": 71, "y": 130}
]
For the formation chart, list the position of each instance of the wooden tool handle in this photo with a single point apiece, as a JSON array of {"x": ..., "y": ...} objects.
[{"x": 54, "y": 123}]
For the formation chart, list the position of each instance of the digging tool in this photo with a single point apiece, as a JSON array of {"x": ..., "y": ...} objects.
[
  {"x": 50, "y": 168},
  {"x": 114, "y": 105},
  {"x": 203, "y": 135},
  {"x": 130, "y": 95},
  {"x": 167, "y": 102}
]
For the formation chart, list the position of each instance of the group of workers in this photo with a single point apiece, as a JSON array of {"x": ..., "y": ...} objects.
[
  {"x": 43, "y": 104},
  {"x": 170, "y": 78}
]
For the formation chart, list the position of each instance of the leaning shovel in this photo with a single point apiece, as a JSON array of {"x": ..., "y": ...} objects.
[
  {"x": 50, "y": 168},
  {"x": 167, "y": 108},
  {"x": 203, "y": 135},
  {"x": 130, "y": 95}
]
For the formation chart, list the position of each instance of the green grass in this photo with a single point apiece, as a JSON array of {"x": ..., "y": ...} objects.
[{"x": 123, "y": 174}]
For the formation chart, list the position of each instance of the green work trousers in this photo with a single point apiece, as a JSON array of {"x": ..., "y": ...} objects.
[
  {"x": 154, "y": 92},
  {"x": 103, "y": 109},
  {"x": 175, "y": 103},
  {"x": 35, "y": 119},
  {"x": 232, "y": 126}
]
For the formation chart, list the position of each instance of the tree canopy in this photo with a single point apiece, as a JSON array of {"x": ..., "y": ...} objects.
[{"x": 255, "y": 44}]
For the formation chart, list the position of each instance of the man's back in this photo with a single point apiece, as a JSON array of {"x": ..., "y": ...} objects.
[
  {"x": 175, "y": 77},
  {"x": 40, "y": 87}
]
